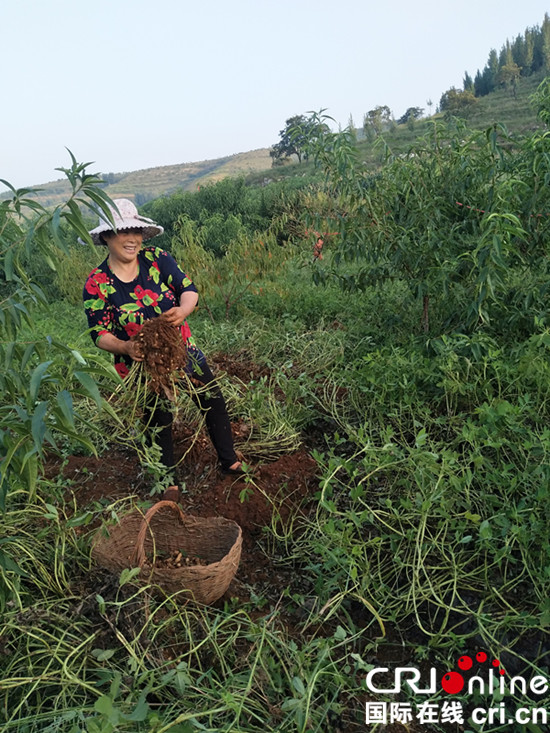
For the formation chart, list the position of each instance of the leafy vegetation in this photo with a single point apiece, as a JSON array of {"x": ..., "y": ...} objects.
[
  {"x": 528, "y": 53},
  {"x": 38, "y": 388},
  {"x": 297, "y": 131},
  {"x": 224, "y": 211},
  {"x": 413, "y": 363}
]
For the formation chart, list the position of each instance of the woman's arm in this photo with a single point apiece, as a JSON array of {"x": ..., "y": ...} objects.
[
  {"x": 177, "y": 315},
  {"x": 114, "y": 345}
]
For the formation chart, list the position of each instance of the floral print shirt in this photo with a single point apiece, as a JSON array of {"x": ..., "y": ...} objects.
[{"x": 120, "y": 308}]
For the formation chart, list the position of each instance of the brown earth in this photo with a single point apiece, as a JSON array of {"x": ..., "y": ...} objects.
[
  {"x": 271, "y": 497},
  {"x": 274, "y": 492}
]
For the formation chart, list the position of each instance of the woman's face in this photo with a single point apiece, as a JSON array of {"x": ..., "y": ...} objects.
[{"x": 125, "y": 245}]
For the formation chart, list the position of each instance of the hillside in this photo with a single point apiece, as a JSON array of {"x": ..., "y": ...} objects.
[
  {"x": 149, "y": 183},
  {"x": 502, "y": 106}
]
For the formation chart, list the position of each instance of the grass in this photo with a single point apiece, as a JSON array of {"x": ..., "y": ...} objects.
[
  {"x": 61, "y": 321},
  {"x": 410, "y": 539},
  {"x": 428, "y": 534}
]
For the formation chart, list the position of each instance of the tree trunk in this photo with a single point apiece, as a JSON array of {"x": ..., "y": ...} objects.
[{"x": 425, "y": 314}]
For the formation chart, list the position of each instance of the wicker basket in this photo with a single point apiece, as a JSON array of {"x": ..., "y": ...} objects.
[{"x": 164, "y": 529}]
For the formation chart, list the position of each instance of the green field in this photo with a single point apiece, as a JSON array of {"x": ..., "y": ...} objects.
[{"x": 391, "y": 401}]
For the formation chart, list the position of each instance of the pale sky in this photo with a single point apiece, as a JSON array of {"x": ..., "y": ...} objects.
[{"x": 132, "y": 84}]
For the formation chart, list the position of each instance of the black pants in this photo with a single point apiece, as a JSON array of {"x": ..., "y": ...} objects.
[{"x": 210, "y": 402}]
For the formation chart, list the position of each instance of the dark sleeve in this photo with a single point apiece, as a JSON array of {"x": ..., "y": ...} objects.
[{"x": 96, "y": 305}]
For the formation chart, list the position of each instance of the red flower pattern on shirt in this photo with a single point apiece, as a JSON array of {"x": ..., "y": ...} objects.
[
  {"x": 94, "y": 282},
  {"x": 122, "y": 369},
  {"x": 132, "y": 329},
  {"x": 142, "y": 293}
]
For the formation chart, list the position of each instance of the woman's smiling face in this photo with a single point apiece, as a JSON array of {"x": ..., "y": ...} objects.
[{"x": 124, "y": 245}]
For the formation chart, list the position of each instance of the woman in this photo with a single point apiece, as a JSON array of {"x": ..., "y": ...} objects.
[{"x": 133, "y": 284}]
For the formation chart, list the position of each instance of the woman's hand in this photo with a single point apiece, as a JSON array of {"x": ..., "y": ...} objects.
[
  {"x": 175, "y": 316},
  {"x": 114, "y": 345},
  {"x": 134, "y": 351}
]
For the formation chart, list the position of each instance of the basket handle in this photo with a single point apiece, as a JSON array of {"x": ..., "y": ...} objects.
[{"x": 139, "y": 556}]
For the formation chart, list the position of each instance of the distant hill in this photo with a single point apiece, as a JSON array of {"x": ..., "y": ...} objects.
[
  {"x": 150, "y": 183},
  {"x": 511, "y": 108}
]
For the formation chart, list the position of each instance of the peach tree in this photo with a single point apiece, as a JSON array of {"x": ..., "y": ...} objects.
[{"x": 41, "y": 380}]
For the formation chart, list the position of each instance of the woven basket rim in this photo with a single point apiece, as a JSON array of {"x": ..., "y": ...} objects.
[{"x": 205, "y": 582}]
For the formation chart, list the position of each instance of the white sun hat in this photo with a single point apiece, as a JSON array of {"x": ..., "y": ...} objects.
[{"x": 126, "y": 217}]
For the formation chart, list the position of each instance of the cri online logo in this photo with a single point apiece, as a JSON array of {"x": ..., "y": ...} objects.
[{"x": 453, "y": 682}]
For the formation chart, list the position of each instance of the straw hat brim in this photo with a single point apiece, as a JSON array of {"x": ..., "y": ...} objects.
[{"x": 150, "y": 229}]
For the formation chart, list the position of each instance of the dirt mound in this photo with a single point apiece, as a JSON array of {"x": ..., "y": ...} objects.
[
  {"x": 114, "y": 475},
  {"x": 269, "y": 496}
]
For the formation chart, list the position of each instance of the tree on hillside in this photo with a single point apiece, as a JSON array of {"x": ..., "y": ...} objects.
[
  {"x": 456, "y": 102},
  {"x": 508, "y": 76},
  {"x": 376, "y": 120},
  {"x": 485, "y": 81},
  {"x": 297, "y": 131},
  {"x": 479, "y": 85},
  {"x": 545, "y": 37},
  {"x": 352, "y": 128},
  {"x": 505, "y": 56},
  {"x": 468, "y": 83},
  {"x": 522, "y": 51},
  {"x": 528, "y": 53},
  {"x": 412, "y": 113}
]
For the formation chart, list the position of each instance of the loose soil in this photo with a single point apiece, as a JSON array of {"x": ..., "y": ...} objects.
[{"x": 276, "y": 492}]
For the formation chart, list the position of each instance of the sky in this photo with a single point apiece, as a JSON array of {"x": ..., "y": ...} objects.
[{"x": 133, "y": 84}]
